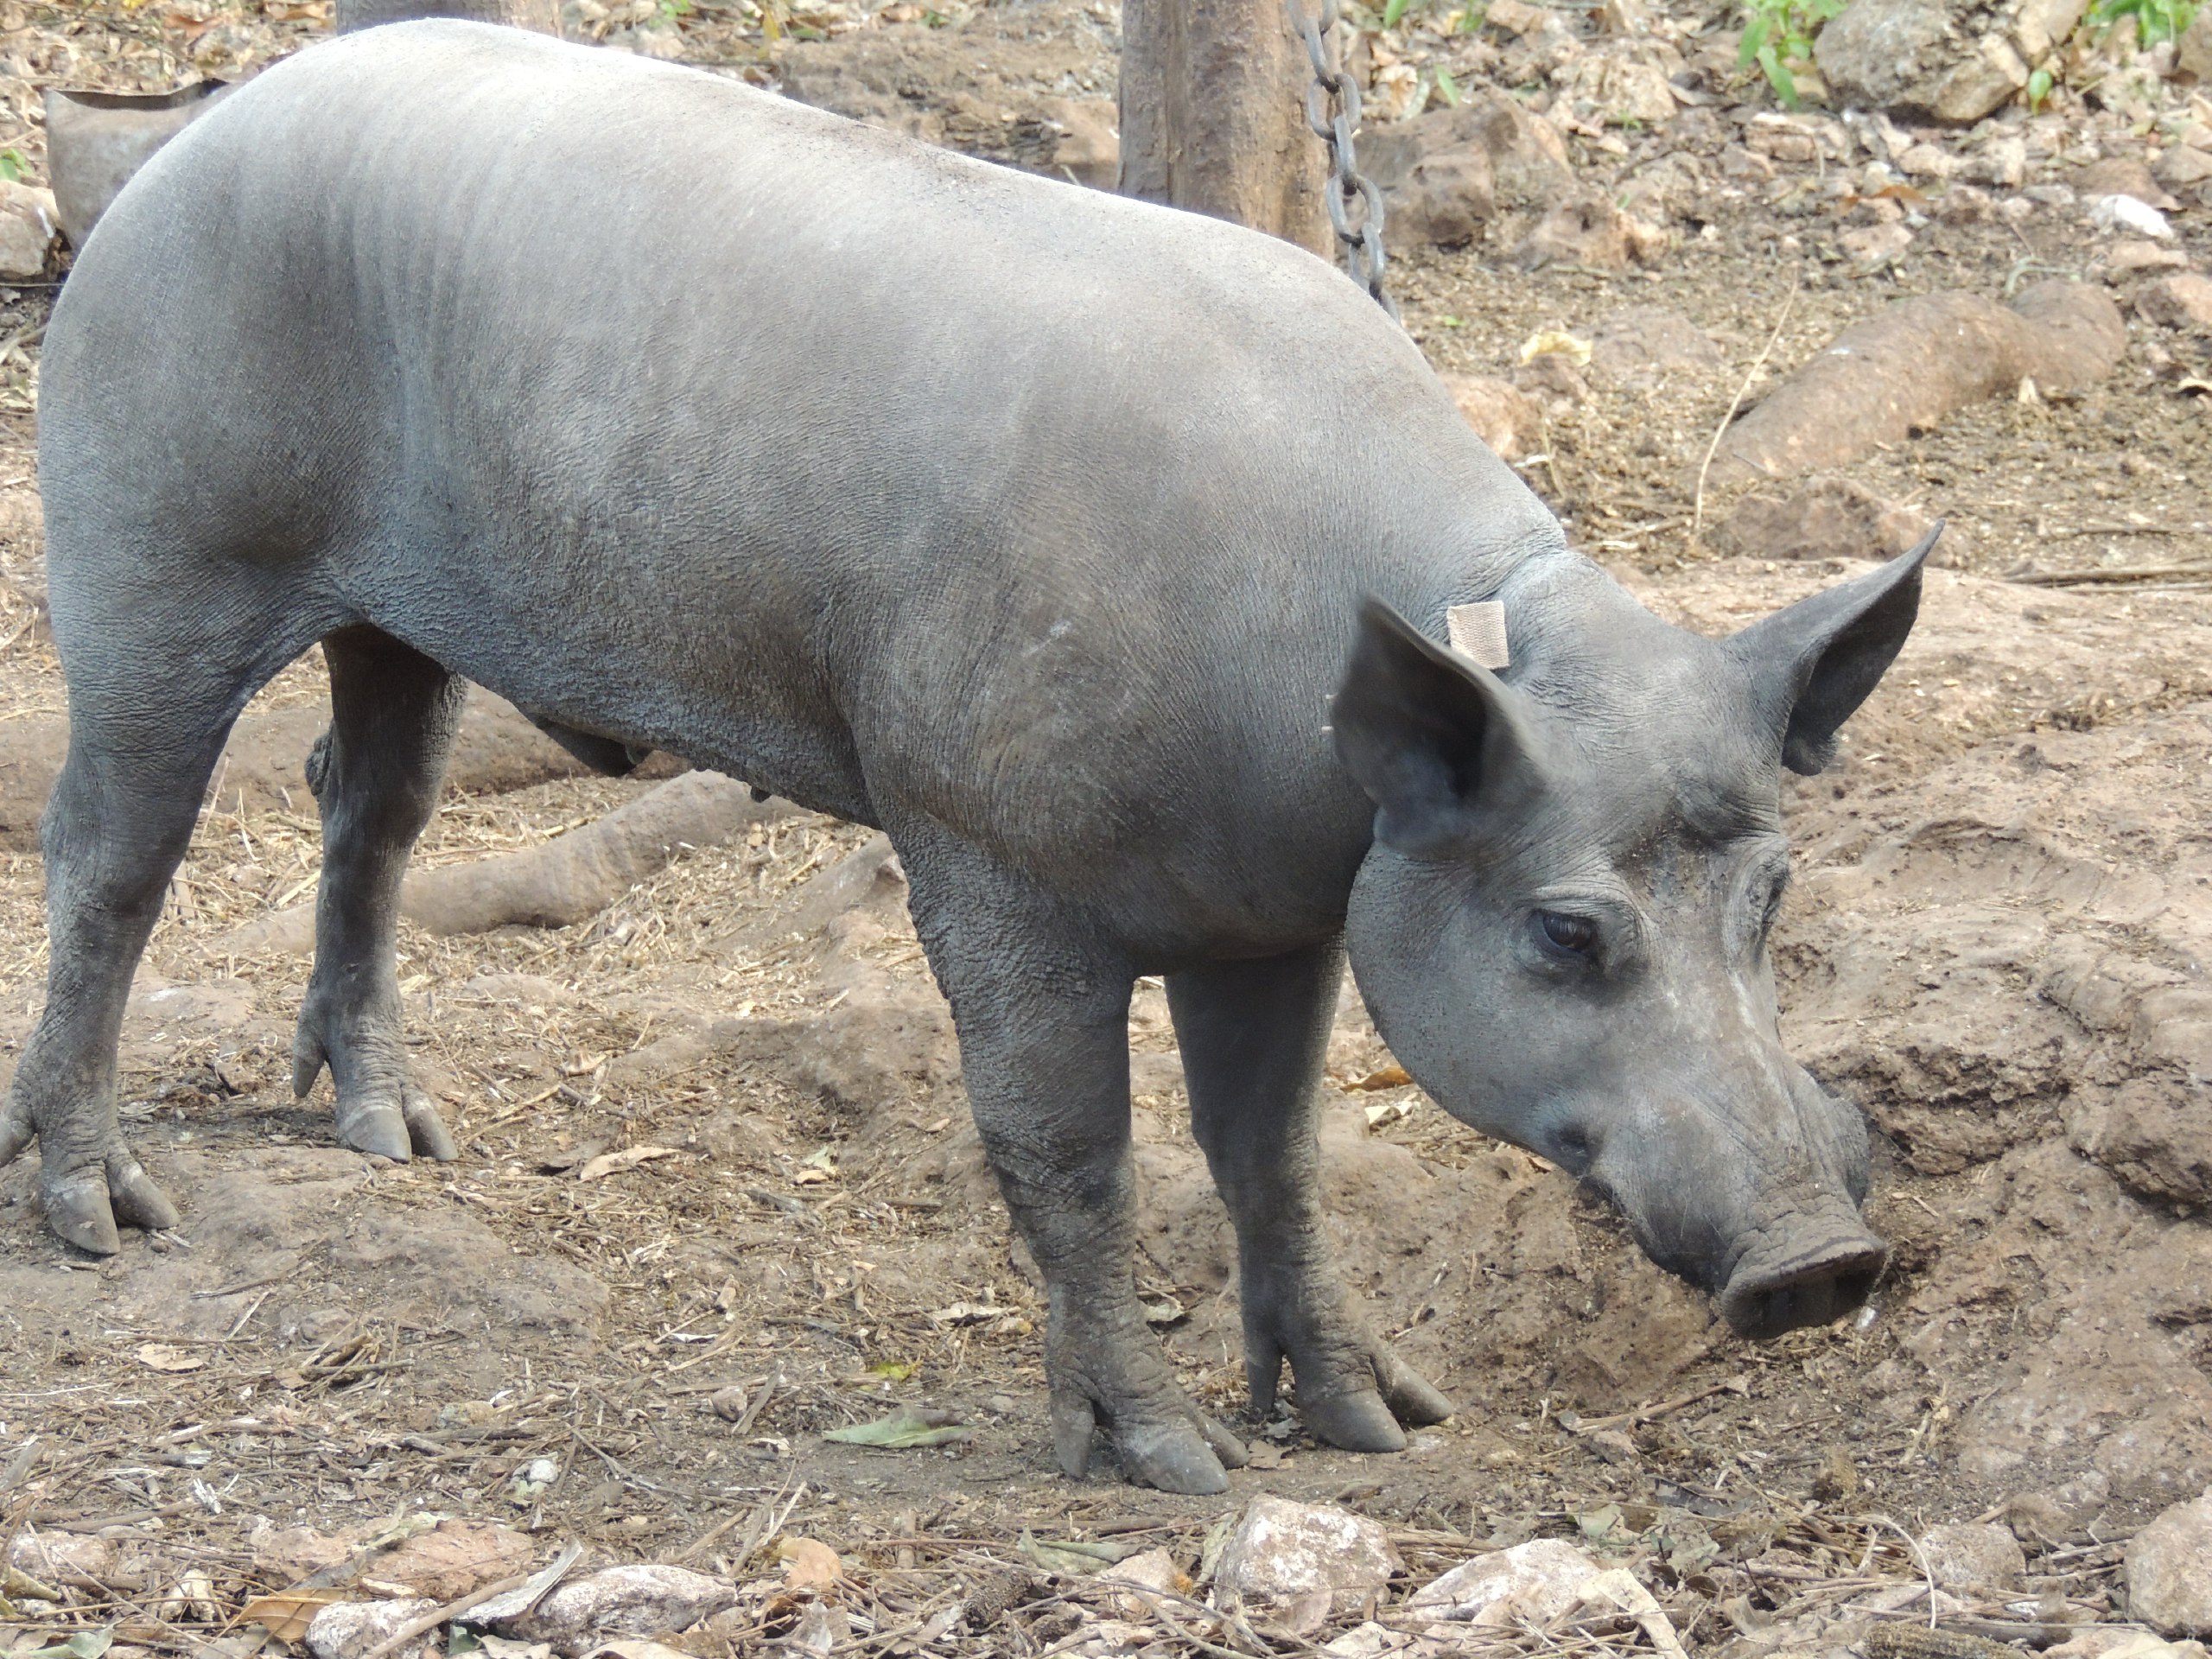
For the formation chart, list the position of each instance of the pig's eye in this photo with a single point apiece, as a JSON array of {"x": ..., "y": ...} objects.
[{"x": 1568, "y": 936}]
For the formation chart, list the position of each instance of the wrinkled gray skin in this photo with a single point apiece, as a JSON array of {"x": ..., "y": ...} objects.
[{"x": 1037, "y": 527}]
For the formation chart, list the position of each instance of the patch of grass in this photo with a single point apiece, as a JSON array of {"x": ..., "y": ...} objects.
[
  {"x": 2155, "y": 20},
  {"x": 1778, "y": 38}
]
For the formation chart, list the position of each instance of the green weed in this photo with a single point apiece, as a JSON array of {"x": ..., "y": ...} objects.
[
  {"x": 2155, "y": 20},
  {"x": 1778, "y": 38}
]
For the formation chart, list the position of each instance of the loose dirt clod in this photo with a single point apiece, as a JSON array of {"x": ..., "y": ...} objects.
[{"x": 1902, "y": 370}]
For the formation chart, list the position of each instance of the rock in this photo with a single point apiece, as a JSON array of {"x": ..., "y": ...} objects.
[
  {"x": 1283, "y": 1552},
  {"x": 1452, "y": 175},
  {"x": 1089, "y": 147},
  {"x": 1830, "y": 517},
  {"x": 455, "y": 1558},
  {"x": 2181, "y": 301},
  {"x": 284, "y": 1555},
  {"x": 2132, "y": 259},
  {"x": 1154, "y": 1569},
  {"x": 2168, "y": 1568},
  {"x": 29, "y": 224},
  {"x": 1926, "y": 59},
  {"x": 2154, "y": 1135},
  {"x": 618, "y": 1602},
  {"x": 2193, "y": 52},
  {"x": 1590, "y": 230},
  {"x": 1643, "y": 346},
  {"x": 1974, "y": 1558},
  {"x": 1618, "y": 86},
  {"x": 1503, "y": 417},
  {"x": 347, "y": 1630},
  {"x": 79, "y": 1561},
  {"x": 1535, "y": 1582},
  {"x": 1872, "y": 246},
  {"x": 2184, "y": 166},
  {"x": 2129, "y": 213},
  {"x": 2002, "y": 161},
  {"x": 2121, "y": 176}
]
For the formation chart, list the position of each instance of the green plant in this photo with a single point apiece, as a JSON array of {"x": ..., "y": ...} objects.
[
  {"x": 1778, "y": 38},
  {"x": 12, "y": 164},
  {"x": 2039, "y": 85},
  {"x": 2155, "y": 20}
]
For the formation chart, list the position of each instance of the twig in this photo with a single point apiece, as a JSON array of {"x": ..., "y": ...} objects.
[
  {"x": 1697, "y": 507},
  {"x": 437, "y": 1615},
  {"x": 1919, "y": 1555},
  {"x": 2110, "y": 577}
]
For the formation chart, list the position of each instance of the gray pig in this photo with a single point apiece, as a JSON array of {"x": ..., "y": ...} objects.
[{"x": 1035, "y": 527}]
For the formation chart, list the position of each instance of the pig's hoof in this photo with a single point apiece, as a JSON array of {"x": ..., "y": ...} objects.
[
  {"x": 84, "y": 1206},
  {"x": 1184, "y": 1456},
  {"x": 397, "y": 1131}
]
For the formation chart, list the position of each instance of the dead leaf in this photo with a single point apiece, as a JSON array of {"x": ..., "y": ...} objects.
[
  {"x": 1390, "y": 1077},
  {"x": 809, "y": 1564},
  {"x": 168, "y": 1357},
  {"x": 287, "y": 1614},
  {"x": 613, "y": 1163},
  {"x": 1546, "y": 342}
]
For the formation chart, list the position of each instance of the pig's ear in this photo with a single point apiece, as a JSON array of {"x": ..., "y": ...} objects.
[
  {"x": 1434, "y": 739},
  {"x": 1814, "y": 663}
]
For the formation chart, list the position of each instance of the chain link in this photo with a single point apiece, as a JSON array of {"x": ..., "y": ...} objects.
[{"x": 1333, "y": 111}]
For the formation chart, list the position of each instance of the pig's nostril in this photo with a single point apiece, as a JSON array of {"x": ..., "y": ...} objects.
[{"x": 1811, "y": 1287}]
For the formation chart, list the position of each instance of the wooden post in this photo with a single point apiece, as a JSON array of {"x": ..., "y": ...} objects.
[{"x": 1213, "y": 116}]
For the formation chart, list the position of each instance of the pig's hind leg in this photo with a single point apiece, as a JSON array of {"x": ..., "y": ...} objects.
[
  {"x": 376, "y": 776},
  {"x": 1253, "y": 1034},
  {"x": 1040, "y": 999},
  {"x": 155, "y": 682}
]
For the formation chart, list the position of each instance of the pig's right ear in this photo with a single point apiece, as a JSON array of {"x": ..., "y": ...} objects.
[{"x": 1436, "y": 740}]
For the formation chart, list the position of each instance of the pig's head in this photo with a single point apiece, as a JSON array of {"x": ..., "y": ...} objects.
[{"x": 1561, "y": 927}]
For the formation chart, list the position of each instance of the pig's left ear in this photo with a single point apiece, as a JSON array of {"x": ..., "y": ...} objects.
[
  {"x": 1814, "y": 663},
  {"x": 1435, "y": 740}
]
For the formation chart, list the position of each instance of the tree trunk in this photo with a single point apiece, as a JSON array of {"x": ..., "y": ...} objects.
[
  {"x": 544, "y": 16},
  {"x": 1213, "y": 116}
]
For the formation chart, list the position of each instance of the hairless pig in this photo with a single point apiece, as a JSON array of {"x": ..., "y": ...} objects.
[{"x": 1100, "y": 554}]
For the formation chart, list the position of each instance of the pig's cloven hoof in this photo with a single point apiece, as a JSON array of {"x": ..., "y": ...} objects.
[
  {"x": 384, "y": 1115},
  {"x": 83, "y": 1206},
  {"x": 1375, "y": 1420},
  {"x": 1766, "y": 1297},
  {"x": 1182, "y": 1455}
]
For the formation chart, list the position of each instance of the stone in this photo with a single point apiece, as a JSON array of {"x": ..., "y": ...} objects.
[
  {"x": 2131, "y": 214},
  {"x": 2121, "y": 176},
  {"x": 1285, "y": 1552},
  {"x": 2001, "y": 162},
  {"x": 1872, "y": 246},
  {"x": 1088, "y": 147},
  {"x": 347, "y": 1630},
  {"x": 1974, "y": 1558},
  {"x": 1589, "y": 230},
  {"x": 1451, "y": 176},
  {"x": 2155, "y": 1135},
  {"x": 1618, "y": 87},
  {"x": 1532, "y": 1583},
  {"x": 2168, "y": 1569},
  {"x": 2184, "y": 166},
  {"x": 455, "y": 1558},
  {"x": 29, "y": 226},
  {"x": 2193, "y": 52},
  {"x": 2181, "y": 301},
  {"x": 1153, "y": 1569},
  {"x": 1925, "y": 161},
  {"x": 1643, "y": 346},
  {"x": 1920, "y": 59},
  {"x": 1503, "y": 417},
  {"x": 1829, "y": 517},
  {"x": 2040, "y": 26},
  {"x": 2132, "y": 259},
  {"x": 652, "y": 1601}
]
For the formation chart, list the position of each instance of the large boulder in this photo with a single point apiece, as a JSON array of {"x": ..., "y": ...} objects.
[
  {"x": 1485, "y": 170},
  {"x": 2169, "y": 1570},
  {"x": 1950, "y": 61}
]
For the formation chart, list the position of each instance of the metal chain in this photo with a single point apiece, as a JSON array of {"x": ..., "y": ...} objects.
[{"x": 1333, "y": 111}]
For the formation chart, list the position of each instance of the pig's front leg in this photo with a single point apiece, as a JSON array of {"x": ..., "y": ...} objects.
[
  {"x": 1040, "y": 1002},
  {"x": 1253, "y": 1034}
]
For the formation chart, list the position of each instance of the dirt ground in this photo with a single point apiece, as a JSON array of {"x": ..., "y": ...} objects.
[{"x": 713, "y": 1137}]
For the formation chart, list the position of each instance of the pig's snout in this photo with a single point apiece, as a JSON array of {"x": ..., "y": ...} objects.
[{"x": 1803, "y": 1280}]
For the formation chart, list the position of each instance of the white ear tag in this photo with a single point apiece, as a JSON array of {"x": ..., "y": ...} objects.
[{"x": 1478, "y": 630}]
